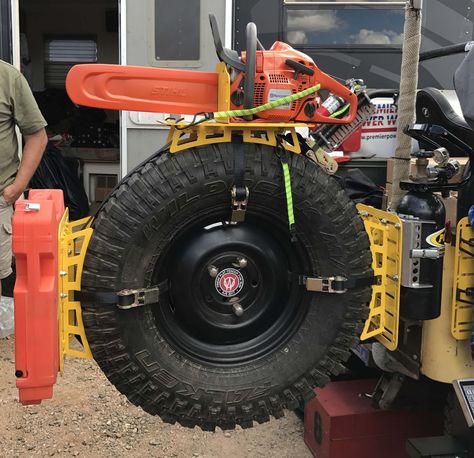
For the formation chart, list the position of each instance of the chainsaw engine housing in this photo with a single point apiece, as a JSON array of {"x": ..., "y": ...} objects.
[{"x": 274, "y": 79}]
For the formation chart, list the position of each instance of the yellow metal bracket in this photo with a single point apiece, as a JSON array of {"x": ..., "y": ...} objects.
[
  {"x": 463, "y": 305},
  {"x": 385, "y": 233},
  {"x": 211, "y": 132},
  {"x": 74, "y": 238}
]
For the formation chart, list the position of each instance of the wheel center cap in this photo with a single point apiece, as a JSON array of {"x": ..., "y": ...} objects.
[{"x": 229, "y": 282}]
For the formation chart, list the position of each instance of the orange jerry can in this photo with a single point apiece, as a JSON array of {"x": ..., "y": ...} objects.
[{"x": 35, "y": 246}]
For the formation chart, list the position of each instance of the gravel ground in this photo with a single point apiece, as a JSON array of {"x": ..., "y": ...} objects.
[{"x": 88, "y": 418}]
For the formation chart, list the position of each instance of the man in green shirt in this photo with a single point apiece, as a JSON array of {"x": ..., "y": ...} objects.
[{"x": 17, "y": 108}]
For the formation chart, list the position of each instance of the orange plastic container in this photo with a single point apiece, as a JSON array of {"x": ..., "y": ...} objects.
[{"x": 35, "y": 245}]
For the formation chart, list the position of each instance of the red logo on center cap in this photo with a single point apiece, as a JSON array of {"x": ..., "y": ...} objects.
[{"x": 229, "y": 282}]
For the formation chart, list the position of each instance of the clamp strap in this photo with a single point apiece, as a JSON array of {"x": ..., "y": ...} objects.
[
  {"x": 337, "y": 284},
  {"x": 283, "y": 155},
  {"x": 124, "y": 299},
  {"x": 239, "y": 192}
]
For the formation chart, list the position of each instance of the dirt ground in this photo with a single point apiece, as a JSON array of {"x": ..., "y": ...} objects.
[{"x": 88, "y": 418}]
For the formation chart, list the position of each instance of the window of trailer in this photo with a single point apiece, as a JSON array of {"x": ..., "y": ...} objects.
[
  {"x": 177, "y": 30},
  {"x": 364, "y": 24},
  {"x": 63, "y": 53}
]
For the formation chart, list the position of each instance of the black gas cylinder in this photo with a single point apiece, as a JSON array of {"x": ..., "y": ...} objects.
[{"x": 420, "y": 295}]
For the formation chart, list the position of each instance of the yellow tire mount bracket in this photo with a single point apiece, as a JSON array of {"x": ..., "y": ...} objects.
[
  {"x": 462, "y": 319},
  {"x": 385, "y": 233},
  {"x": 74, "y": 238}
]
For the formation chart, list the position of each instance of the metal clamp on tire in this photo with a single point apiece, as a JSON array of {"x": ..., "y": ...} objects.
[
  {"x": 124, "y": 299},
  {"x": 239, "y": 207},
  {"x": 326, "y": 284},
  {"x": 131, "y": 298},
  {"x": 335, "y": 285}
]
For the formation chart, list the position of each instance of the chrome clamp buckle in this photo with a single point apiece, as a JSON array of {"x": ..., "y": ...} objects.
[
  {"x": 131, "y": 298},
  {"x": 239, "y": 207},
  {"x": 334, "y": 285}
]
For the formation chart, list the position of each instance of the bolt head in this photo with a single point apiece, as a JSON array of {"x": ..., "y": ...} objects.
[
  {"x": 213, "y": 271},
  {"x": 242, "y": 262},
  {"x": 237, "y": 309}
]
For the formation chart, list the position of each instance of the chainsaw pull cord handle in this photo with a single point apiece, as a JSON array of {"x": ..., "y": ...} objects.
[{"x": 250, "y": 66}]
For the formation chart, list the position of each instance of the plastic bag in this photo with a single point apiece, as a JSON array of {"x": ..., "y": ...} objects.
[
  {"x": 360, "y": 188},
  {"x": 6, "y": 317},
  {"x": 55, "y": 173}
]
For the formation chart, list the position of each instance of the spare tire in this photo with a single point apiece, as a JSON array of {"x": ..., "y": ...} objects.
[{"x": 191, "y": 358}]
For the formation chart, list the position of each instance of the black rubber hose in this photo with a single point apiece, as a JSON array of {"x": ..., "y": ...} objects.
[
  {"x": 250, "y": 65},
  {"x": 446, "y": 51}
]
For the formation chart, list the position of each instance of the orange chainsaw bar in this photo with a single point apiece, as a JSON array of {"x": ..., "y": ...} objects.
[{"x": 158, "y": 90}]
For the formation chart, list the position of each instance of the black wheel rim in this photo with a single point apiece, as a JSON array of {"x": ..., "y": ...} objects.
[{"x": 200, "y": 317}]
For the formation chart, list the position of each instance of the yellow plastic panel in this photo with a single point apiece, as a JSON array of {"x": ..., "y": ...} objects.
[
  {"x": 462, "y": 318},
  {"x": 74, "y": 238},
  {"x": 385, "y": 234}
]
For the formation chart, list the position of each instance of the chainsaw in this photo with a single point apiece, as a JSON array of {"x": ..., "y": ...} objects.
[{"x": 278, "y": 85}]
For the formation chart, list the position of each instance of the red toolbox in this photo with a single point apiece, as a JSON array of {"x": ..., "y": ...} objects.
[{"x": 340, "y": 422}]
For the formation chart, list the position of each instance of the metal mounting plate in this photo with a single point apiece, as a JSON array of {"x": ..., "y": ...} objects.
[
  {"x": 385, "y": 234},
  {"x": 73, "y": 239}
]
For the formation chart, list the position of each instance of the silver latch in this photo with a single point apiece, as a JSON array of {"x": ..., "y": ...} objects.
[
  {"x": 335, "y": 285},
  {"x": 239, "y": 207},
  {"x": 32, "y": 207},
  {"x": 428, "y": 253}
]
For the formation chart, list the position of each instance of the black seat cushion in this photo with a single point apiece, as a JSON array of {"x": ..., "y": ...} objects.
[
  {"x": 464, "y": 85},
  {"x": 432, "y": 107}
]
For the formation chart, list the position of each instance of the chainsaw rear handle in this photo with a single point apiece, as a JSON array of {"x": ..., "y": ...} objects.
[{"x": 330, "y": 84}]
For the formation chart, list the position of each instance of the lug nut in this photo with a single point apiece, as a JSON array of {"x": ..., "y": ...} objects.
[
  {"x": 213, "y": 271},
  {"x": 238, "y": 309},
  {"x": 242, "y": 262}
]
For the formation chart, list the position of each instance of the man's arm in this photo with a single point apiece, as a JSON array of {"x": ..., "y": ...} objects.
[{"x": 33, "y": 150}]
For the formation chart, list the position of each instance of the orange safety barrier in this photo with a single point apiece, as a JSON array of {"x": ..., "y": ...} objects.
[{"x": 35, "y": 246}]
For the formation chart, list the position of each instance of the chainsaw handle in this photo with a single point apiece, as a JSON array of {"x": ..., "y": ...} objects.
[
  {"x": 229, "y": 56},
  {"x": 330, "y": 84}
]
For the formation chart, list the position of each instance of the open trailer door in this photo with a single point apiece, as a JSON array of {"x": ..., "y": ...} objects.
[{"x": 160, "y": 33}]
